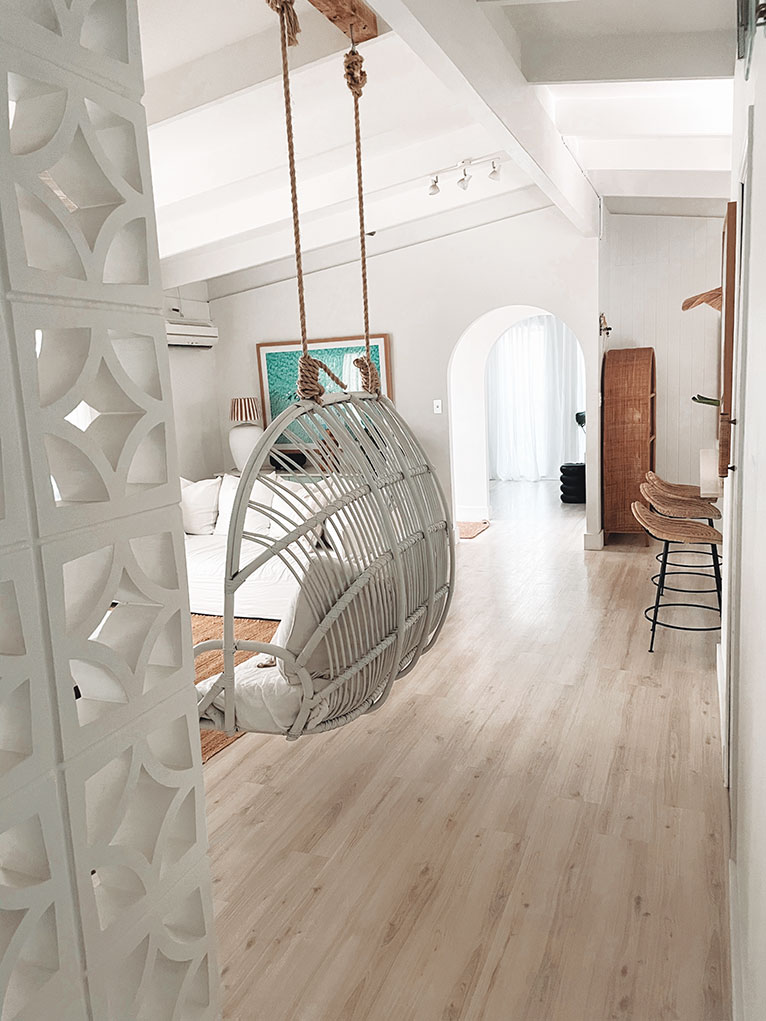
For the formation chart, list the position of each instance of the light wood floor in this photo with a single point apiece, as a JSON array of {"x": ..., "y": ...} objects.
[{"x": 532, "y": 829}]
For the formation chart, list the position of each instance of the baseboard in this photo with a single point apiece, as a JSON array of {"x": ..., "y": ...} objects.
[
  {"x": 737, "y": 1003},
  {"x": 594, "y": 540}
]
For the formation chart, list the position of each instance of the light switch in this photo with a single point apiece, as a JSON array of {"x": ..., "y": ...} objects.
[{"x": 437, "y": 407}]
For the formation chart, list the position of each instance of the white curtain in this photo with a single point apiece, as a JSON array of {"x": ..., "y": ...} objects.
[{"x": 535, "y": 384}]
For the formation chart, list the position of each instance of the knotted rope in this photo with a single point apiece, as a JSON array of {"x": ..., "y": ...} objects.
[
  {"x": 309, "y": 387},
  {"x": 356, "y": 79}
]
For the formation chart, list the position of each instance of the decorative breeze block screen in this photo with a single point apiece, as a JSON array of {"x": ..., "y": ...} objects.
[{"x": 105, "y": 898}]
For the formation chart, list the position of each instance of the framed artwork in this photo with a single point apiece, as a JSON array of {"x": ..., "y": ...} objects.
[{"x": 278, "y": 367}]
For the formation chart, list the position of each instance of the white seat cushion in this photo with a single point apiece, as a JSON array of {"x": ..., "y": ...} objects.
[{"x": 265, "y": 702}]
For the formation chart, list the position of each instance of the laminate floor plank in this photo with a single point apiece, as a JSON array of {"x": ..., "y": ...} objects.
[{"x": 534, "y": 828}]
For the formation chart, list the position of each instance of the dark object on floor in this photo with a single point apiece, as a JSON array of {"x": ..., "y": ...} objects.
[
  {"x": 573, "y": 483},
  {"x": 580, "y": 419}
]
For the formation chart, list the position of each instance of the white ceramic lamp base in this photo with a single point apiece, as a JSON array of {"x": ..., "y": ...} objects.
[{"x": 242, "y": 440}]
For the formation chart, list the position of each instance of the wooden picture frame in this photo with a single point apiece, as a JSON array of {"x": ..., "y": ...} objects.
[{"x": 278, "y": 367}]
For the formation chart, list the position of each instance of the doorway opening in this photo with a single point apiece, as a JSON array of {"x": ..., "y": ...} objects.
[
  {"x": 535, "y": 408},
  {"x": 469, "y": 439}
]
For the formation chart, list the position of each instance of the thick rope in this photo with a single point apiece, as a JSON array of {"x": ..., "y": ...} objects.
[
  {"x": 309, "y": 387},
  {"x": 356, "y": 79},
  {"x": 287, "y": 15}
]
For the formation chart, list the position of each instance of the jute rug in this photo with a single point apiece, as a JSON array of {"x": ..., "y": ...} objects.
[
  {"x": 470, "y": 529},
  {"x": 204, "y": 628}
]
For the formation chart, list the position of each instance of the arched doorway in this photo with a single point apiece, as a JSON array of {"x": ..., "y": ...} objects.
[{"x": 468, "y": 417}]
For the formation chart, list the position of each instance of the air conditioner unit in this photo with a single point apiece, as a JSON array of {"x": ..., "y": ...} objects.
[{"x": 191, "y": 333}]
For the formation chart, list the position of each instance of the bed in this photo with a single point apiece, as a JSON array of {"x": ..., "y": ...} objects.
[{"x": 266, "y": 595}]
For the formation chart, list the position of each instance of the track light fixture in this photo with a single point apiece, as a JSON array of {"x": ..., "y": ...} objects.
[{"x": 463, "y": 169}]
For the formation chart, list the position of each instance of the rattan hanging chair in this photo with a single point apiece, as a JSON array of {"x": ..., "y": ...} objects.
[
  {"x": 354, "y": 512},
  {"x": 364, "y": 529}
]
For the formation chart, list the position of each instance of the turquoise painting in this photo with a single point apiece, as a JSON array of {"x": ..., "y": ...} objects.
[{"x": 278, "y": 364}]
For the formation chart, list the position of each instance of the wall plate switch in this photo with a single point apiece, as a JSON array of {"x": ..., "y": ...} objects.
[{"x": 437, "y": 407}]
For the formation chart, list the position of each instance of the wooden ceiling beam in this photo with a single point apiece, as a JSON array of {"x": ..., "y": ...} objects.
[{"x": 348, "y": 14}]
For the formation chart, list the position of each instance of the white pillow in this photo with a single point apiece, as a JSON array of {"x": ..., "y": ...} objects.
[
  {"x": 199, "y": 505},
  {"x": 255, "y": 521}
]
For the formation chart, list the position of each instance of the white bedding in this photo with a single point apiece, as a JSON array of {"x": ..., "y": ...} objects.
[{"x": 266, "y": 595}]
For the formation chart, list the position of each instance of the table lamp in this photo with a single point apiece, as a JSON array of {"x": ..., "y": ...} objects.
[{"x": 244, "y": 435}]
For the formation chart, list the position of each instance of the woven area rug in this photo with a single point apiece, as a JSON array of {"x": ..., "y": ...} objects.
[
  {"x": 204, "y": 628},
  {"x": 470, "y": 529}
]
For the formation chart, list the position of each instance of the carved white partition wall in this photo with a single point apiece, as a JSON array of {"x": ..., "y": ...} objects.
[{"x": 105, "y": 898}]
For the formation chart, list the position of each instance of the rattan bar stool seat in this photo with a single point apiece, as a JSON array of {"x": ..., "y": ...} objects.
[
  {"x": 676, "y": 490},
  {"x": 674, "y": 529},
  {"x": 671, "y": 507}
]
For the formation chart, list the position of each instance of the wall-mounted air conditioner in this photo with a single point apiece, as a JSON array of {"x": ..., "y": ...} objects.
[{"x": 191, "y": 333}]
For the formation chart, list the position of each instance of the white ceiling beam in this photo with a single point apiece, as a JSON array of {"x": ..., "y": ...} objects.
[
  {"x": 671, "y": 153},
  {"x": 240, "y": 66},
  {"x": 414, "y": 232},
  {"x": 612, "y": 115},
  {"x": 613, "y": 58},
  {"x": 456, "y": 40},
  {"x": 707, "y": 184}
]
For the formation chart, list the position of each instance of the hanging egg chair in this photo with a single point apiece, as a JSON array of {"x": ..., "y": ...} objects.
[{"x": 339, "y": 493}]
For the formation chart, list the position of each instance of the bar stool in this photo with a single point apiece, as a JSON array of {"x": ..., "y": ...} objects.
[
  {"x": 674, "y": 530},
  {"x": 677, "y": 490},
  {"x": 686, "y": 509}
]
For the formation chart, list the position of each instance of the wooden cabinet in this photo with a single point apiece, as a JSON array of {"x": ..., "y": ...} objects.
[{"x": 628, "y": 432}]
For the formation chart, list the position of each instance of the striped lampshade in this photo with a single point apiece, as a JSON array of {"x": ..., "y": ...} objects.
[{"x": 245, "y": 409}]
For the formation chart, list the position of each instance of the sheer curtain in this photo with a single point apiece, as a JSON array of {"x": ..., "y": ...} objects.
[{"x": 535, "y": 384}]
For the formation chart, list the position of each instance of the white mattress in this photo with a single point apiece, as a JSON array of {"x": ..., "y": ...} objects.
[{"x": 267, "y": 594}]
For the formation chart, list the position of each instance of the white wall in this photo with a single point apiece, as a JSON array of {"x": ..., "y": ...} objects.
[
  {"x": 649, "y": 265},
  {"x": 195, "y": 399},
  {"x": 426, "y": 296},
  {"x": 748, "y": 748}
]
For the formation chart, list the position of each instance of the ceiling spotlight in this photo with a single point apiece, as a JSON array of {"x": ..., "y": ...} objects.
[
  {"x": 434, "y": 189},
  {"x": 462, "y": 182},
  {"x": 494, "y": 174}
]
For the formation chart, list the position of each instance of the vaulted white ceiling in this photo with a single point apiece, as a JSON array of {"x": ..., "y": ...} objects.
[{"x": 656, "y": 133}]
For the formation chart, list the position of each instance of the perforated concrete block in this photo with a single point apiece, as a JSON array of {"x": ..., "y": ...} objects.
[
  {"x": 14, "y": 524},
  {"x": 26, "y": 727},
  {"x": 138, "y": 819},
  {"x": 75, "y": 191},
  {"x": 97, "y": 393},
  {"x": 121, "y": 627},
  {"x": 97, "y": 38},
  {"x": 167, "y": 970},
  {"x": 41, "y": 975}
]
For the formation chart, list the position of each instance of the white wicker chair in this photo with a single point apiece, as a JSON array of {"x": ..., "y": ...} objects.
[{"x": 364, "y": 527}]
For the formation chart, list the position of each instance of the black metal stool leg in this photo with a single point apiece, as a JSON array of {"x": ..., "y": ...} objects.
[
  {"x": 717, "y": 570},
  {"x": 660, "y": 590}
]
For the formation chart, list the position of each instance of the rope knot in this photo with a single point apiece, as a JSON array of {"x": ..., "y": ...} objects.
[
  {"x": 356, "y": 76},
  {"x": 309, "y": 387},
  {"x": 369, "y": 373},
  {"x": 286, "y": 11}
]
